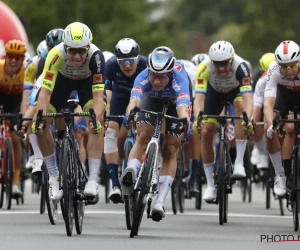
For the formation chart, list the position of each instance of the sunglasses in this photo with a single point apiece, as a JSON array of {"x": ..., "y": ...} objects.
[
  {"x": 73, "y": 51},
  {"x": 161, "y": 77},
  {"x": 221, "y": 63},
  {"x": 125, "y": 61},
  {"x": 15, "y": 56},
  {"x": 292, "y": 66}
]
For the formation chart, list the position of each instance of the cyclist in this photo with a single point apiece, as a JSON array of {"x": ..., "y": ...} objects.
[
  {"x": 198, "y": 58},
  {"x": 223, "y": 76},
  {"x": 75, "y": 64},
  {"x": 32, "y": 73},
  {"x": 281, "y": 94},
  {"x": 163, "y": 78},
  {"x": 259, "y": 155},
  {"x": 120, "y": 72},
  {"x": 11, "y": 88}
]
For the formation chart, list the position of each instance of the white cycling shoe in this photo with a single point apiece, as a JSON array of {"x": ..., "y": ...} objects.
[
  {"x": 238, "y": 171},
  {"x": 254, "y": 156},
  {"x": 280, "y": 185},
  {"x": 37, "y": 165},
  {"x": 91, "y": 188},
  {"x": 115, "y": 195},
  {"x": 209, "y": 194},
  {"x": 263, "y": 162},
  {"x": 54, "y": 192},
  {"x": 158, "y": 212},
  {"x": 29, "y": 164},
  {"x": 16, "y": 190}
]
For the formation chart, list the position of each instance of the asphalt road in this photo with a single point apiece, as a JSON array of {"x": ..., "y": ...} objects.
[{"x": 104, "y": 227}]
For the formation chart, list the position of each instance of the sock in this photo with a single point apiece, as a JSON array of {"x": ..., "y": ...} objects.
[
  {"x": 240, "y": 151},
  {"x": 232, "y": 153},
  {"x": 113, "y": 173},
  {"x": 50, "y": 162},
  {"x": 36, "y": 150},
  {"x": 135, "y": 164},
  {"x": 165, "y": 184},
  {"x": 94, "y": 167},
  {"x": 261, "y": 146},
  {"x": 276, "y": 161},
  {"x": 194, "y": 171},
  {"x": 209, "y": 170}
]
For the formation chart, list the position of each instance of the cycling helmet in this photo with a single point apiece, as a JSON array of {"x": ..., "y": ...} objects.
[
  {"x": 77, "y": 35},
  {"x": 41, "y": 47},
  {"x": 161, "y": 60},
  {"x": 15, "y": 47},
  {"x": 249, "y": 65},
  {"x": 287, "y": 52},
  {"x": 107, "y": 55},
  {"x": 27, "y": 57},
  {"x": 265, "y": 61},
  {"x": 54, "y": 37},
  {"x": 198, "y": 58},
  {"x": 126, "y": 48},
  {"x": 221, "y": 51}
]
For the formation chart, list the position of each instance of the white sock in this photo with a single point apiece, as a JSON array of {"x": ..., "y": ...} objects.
[
  {"x": 94, "y": 167},
  {"x": 209, "y": 170},
  {"x": 240, "y": 151},
  {"x": 277, "y": 163},
  {"x": 165, "y": 184},
  {"x": 50, "y": 162},
  {"x": 134, "y": 164},
  {"x": 36, "y": 150},
  {"x": 261, "y": 146}
]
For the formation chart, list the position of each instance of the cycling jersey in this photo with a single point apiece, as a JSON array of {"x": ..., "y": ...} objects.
[
  {"x": 274, "y": 78},
  {"x": 190, "y": 69},
  {"x": 31, "y": 73},
  {"x": 57, "y": 61},
  {"x": 258, "y": 97},
  {"x": 11, "y": 85},
  {"x": 177, "y": 88},
  {"x": 257, "y": 73},
  {"x": 113, "y": 74},
  {"x": 239, "y": 76}
]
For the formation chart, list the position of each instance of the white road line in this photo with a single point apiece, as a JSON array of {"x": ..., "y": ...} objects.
[{"x": 168, "y": 213}]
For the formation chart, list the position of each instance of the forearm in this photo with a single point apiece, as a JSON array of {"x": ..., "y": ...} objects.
[
  {"x": 198, "y": 104},
  {"x": 183, "y": 112},
  {"x": 269, "y": 103},
  {"x": 24, "y": 101},
  {"x": 42, "y": 102},
  {"x": 98, "y": 106},
  {"x": 132, "y": 103}
]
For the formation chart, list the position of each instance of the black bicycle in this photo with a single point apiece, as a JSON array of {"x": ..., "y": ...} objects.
[
  {"x": 223, "y": 164},
  {"x": 146, "y": 186}
]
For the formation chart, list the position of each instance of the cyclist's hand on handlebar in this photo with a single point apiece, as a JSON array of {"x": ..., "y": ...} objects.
[
  {"x": 271, "y": 134},
  {"x": 197, "y": 129},
  {"x": 22, "y": 131},
  {"x": 97, "y": 129},
  {"x": 38, "y": 130},
  {"x": 248, "y": 128},
  {"x": 124, "y": 122}
]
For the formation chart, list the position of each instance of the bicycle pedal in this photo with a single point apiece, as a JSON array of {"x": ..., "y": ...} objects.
[
  {"x": 211, "y": 202},
  {"x": 121, "y": 201}
]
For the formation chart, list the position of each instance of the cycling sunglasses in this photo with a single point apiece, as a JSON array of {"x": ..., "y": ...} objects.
[
  {"x": 162, "y": 77},
  {"x": 73, "y": 51},
  {"x": 221, "y": 63},
  {"x": 15, "y": 56},
  {"x": 125, "y": 61}
]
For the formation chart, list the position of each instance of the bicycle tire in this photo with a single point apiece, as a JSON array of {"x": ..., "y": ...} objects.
[
  {"x": 105, "y": 176},
  {"x": 281, "y": 206},
  {"x": 145, "y": 180},
  {"x": 2, "y": 194},
  {"x": 62, "y": 208},
  {"x": 43, "y": 194},
  {"x": 127, "y": 203},
  {"x": 67, "y": 161},
  {"x": 8, "y": 158},
  {"x": 249, "y": 190},
  {"x": 221, "y": 182},
  {"x": 295, "y": 198},
  {"x": 228, "y": 170},
  {"x": 174, "y": 198},
  {"x": 181, "y": 189},
  {"x": 243, "y": 183},
  {"x": 200, "y": 177},
  {"x": 248, "y": 170},
  {"x": 23, "y": 170},
  {"x": 50, "y": 204},
  {"x": 78, "y": 215}
]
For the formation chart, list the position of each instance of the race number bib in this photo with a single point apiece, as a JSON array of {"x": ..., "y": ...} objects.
[{"x": 230, "y": 132}]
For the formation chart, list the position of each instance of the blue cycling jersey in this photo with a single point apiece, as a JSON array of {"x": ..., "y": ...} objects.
[
  {"x": 177, "y": 88},
  {"x": 113, "y": 74}
]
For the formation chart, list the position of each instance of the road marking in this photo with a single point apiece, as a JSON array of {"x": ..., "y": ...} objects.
[{"x": 168, "y": 213}]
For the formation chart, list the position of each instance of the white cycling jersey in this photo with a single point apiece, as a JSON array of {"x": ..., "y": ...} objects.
[
  {"x": 190, "y": 69},
  {"x": 274, "y": 77},
  {"x": 258, "y": 97}
]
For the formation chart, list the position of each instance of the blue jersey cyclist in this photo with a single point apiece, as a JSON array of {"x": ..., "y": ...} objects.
[
  {"x": 164, "y": 78},
  {"x": 120, "y": 72}
]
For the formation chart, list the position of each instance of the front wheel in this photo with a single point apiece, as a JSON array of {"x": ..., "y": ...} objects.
[{"x": 8, "y": 158}]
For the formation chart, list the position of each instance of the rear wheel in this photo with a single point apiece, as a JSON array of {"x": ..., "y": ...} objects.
[
  {"x": 8, "y": 158},
  {"x": 221, "y": 182},
  {"x": 200, "y": 179},
  {"x": 174, "y": 197},
  {"x": 43, "y": 194},
  {"x": 181, "y": 189}
]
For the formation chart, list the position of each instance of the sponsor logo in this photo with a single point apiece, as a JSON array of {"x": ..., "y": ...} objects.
[
  {"x": 47, "y": 84},
  {"x": 246, "y": 81},
  {"x": 175, "y": 86},
  {"x": 97, "y": 78},
  {"x": 203, "y": 69},
  {"x": 98, "y": 62},
  {"x": 138, "y": 89},
  {"x": 243, "y": 67},
  {"x": 144, "y": 82},
  {"x": 97, "y": 87},
  {"x": 49, "y": 76},
  {"x": 54, "y": 59},
  {"x": 271, "y": 70},
  {"x": 178, "y": 67},
  {"x": 200, "y": 81},
  {"x": 183, "y": 96},
  {"x": 174, "y": 125}
]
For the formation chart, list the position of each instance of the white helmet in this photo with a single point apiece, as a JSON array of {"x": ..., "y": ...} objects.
[
  {"x": 161, "y": 60},
  {"x": 107, "y": 55},
  {"x": 198, "y": 58},
  {"x": 287, "y": 52},
  {"x": 221, "y": 51},
  {"x": 41, "y": 47},
  {"x": 77, "y": 35}
]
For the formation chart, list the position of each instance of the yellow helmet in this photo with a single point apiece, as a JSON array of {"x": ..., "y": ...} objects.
[
  {"x": 77, "y": 35},
  {"x": 265, "y": 61},
  {"x": 15, "y": 47}
]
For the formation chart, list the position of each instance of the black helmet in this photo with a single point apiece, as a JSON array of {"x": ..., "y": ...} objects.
[
  {"x": 161, "y": 60},
  {"x": 126, "y": 48},
  {"x": 54, "y": 37}
]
